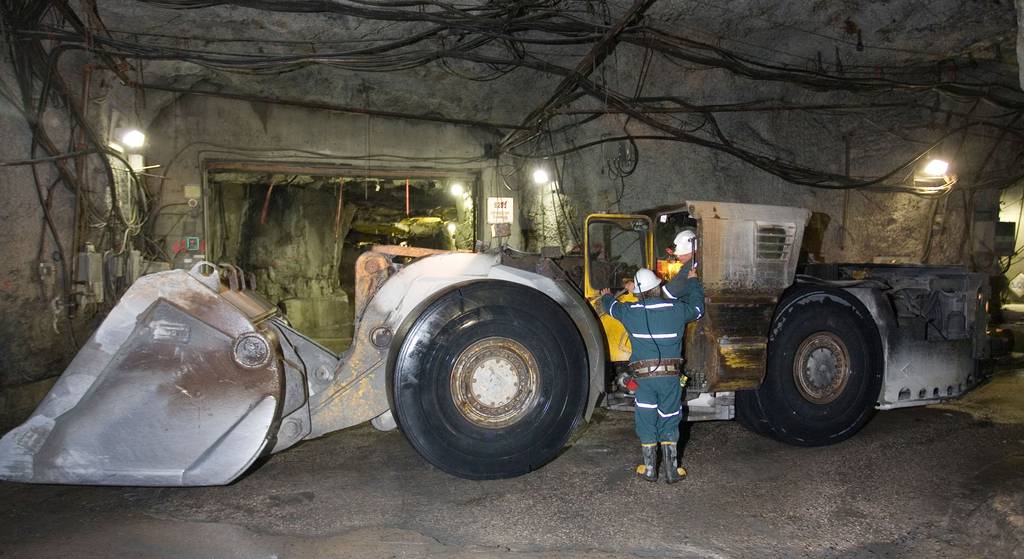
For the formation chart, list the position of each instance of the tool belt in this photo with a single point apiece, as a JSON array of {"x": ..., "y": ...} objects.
[{"x": 656, "y": 368}]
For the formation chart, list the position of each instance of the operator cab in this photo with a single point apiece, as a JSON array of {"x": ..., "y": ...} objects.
[
  {"x": 668, "y": 222},
  {"x": 616, "y": 247}
]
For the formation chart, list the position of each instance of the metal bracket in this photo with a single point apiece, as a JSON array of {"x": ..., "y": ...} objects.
[
  {"x": 207, "y": 274},
  {"x": 235, "y": 277}
]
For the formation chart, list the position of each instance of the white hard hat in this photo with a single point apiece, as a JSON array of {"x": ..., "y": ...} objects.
[
  {"x": 645, "y": 280},
  {"x": 684, "y": 242}
]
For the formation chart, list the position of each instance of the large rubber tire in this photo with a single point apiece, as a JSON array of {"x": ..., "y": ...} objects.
[
  {"x": 424, "y": 398},
  {"x": 797, "y": 411}
]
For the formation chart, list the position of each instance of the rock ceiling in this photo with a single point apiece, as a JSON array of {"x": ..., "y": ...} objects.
[{"x": 842, "y": 37}]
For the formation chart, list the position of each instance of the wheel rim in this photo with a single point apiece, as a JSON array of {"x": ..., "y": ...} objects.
[
  {"x": 495, "y": 382},
  {"x": 821, "y": 368}
]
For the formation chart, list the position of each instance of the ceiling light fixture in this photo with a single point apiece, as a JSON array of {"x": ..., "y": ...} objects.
[
  {"x": 936, "y": 168},
  {"x": 934, "y": 177},
  {"x": 133, "y": 138}
]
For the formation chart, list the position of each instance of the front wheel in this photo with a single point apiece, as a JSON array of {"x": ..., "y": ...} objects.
[
  {"x": 823, "y": 375},
  {"x": 490, "y": 380}
]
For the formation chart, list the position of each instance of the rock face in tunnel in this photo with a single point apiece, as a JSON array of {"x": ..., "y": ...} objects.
[
  {"x": 1020, "y": 38},
  {"x": 300, "y": 235},
  {"x": 287, "y": 241}
]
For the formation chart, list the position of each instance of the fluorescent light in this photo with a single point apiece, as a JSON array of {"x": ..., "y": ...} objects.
[{"x": 540, "y": 176}]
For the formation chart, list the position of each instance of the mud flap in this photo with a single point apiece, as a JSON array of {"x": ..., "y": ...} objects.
[{"x": 180, "y": 385}]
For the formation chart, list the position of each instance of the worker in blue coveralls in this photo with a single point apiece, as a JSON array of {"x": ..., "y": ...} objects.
[{"x": 656, "y": 324}]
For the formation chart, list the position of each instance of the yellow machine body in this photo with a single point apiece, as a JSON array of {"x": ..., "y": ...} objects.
[{"x": 610, "y": 241}]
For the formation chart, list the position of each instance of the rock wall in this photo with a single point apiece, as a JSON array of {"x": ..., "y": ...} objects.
[
  {"x": 36, "y": 338},
  {"x": 859, "y": 225}
]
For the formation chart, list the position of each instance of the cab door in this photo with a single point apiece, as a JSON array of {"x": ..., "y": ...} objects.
[{"x": 617, "y": 245}]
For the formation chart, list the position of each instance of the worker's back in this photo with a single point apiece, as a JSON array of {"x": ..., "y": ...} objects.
[{"x": 655, "y": 326}]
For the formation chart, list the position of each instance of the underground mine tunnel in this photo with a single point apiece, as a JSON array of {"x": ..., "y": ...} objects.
[
  {"x": 299, "y": 235},
  {"x": 531, "y": 278}
]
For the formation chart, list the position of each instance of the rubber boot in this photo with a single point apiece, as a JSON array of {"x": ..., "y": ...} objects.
[
  {"x": 670, "y": 458},
  {"x": 649, "y": 469}
]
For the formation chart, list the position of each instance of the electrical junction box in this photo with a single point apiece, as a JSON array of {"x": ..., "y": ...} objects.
[
  {"x": 193, "y": 192},
  {"x": 90, "y": 275},
  {"x": 1017, "y": 285},
  {"x": 1005, "y": 239},
  {"x": 133, "y": 266},
  {"x": 499, "y": 230}
]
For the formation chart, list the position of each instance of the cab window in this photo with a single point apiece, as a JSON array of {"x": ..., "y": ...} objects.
[
  {"x": 666, "y": 227},
  {"x": 616, "y": 250}
]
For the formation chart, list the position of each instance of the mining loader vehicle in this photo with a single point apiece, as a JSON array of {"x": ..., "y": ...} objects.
[{"x": 487, "y": 362}]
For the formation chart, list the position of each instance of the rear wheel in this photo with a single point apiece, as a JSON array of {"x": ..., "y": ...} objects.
[
  {"x": 823, "y": 375},
  {"x": 490, "y": 380}
]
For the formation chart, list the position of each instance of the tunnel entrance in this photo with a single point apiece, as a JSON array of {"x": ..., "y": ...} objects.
[{"x": 300, "y": 231}]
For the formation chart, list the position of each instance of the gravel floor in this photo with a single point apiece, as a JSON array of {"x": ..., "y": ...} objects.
[{"x": 931, "y": 482}]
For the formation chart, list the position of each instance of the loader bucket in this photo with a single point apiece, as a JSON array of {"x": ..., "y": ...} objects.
[{"x": 182, "y": 384}]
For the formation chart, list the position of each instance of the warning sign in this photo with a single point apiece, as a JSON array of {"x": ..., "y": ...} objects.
[{"x": 499, "y": 210}]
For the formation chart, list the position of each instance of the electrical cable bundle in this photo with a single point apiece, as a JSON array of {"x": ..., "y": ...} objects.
[
  {"x": 481, "y": 42},
  {"x": 499, "y": 37}
]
